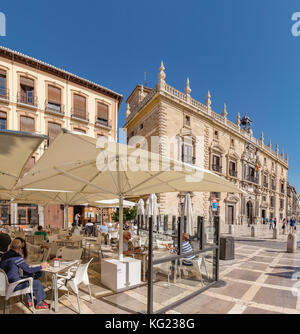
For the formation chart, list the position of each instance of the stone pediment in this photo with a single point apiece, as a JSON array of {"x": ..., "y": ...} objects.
[
  {"x": 217, "y": 148},
  {"x": 232, "y": 198},
  {"x": 233, "y": 155},
  {"x": 185, "y": 131}
]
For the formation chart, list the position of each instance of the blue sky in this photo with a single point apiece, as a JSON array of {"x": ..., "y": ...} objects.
[{"x": 241, "y": 50}]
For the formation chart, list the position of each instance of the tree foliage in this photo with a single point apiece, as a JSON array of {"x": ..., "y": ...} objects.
[{"x": 128, "y": 214}]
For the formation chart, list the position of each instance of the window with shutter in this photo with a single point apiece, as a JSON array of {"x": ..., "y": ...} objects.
[
  {"x": 216, "y": 163},
  {"x": 3, "y": 91},
  {"x": 102, "y": 113},
  {"x": 26, "y": 94},
  {"x": 232, "y": 168},
  {"x": 53, "y": 131},
  {"x": 27, "y": 124},
  {"x": 187, "y": 153},
  {"x": 79, "y": 103},
  {"x": 3, "y": 121},
  {"x": 54, "y": 98}
]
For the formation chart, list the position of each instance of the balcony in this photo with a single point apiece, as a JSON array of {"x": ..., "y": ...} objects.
[
  {"x": 252, "y": 178},
  {"x": 80, "y": 115},
  {"x": 191, "y": 161},
  {"x": 217, "y": 168},
  {"x": 103, "y": 123},
  {"x": 54, "y": 109},
  {"x": 4, "y": 95},
  {"x": 232, "y": 172},
  {"x": 27, "y": 99}
]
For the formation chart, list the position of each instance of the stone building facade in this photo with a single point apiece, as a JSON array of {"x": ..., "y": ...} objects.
[
  {"x": 293, "y": 208},
  {"x": 200, "y": 136},
  {"x": 40, "y": 98}
]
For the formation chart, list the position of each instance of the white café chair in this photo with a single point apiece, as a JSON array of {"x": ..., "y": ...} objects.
[
  {"x": 164, "y": 268},
  {"x": 7, "y": 289},
  {"x": 195, "y": 268},
  {"x": 74, "y": 280}
]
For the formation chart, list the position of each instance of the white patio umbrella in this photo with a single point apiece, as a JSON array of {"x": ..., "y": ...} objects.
[
  {"x": 152, "y": 208},
  {"x": 76, "y": 163},
  {"x": 16, "y": 148},
  {"x": 188, "y": 213},
  {"x": 141, "y": 207},
  {"x": 141, "y": 210}
]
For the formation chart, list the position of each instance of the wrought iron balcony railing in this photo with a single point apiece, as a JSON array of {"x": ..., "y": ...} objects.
[
  {"x": 4, "y": 94},
  {"x": 217, "y": 168},
  {"x": 103, "y": 122},
  {"x": 53, "y": 108},
  {"x": 27, "y": 98},
  {"x": 252, "y": 178},
  {"x": 79, "y": 114}
]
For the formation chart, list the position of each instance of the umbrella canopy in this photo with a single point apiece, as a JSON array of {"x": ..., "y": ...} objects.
[
  {"x": 16, "y": 148},
  {"x": 114, "y": 203},
  {"x": 188, "y": 213},
  {"x": 105, "y": 170}
]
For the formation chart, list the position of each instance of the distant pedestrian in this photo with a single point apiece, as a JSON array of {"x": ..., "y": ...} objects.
[
  {"x": 292, "y": 225},
  {"x": 271, "y": 226},
  {"x": 283, "y": 226},
  {"x": 77, "y": 217},
  {"x": 275, "y": 222}
]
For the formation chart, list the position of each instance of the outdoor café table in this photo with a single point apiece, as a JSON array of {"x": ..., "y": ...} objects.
[
  {"x": 69, "y": 242},
  {"x": 54, "y": 271}
]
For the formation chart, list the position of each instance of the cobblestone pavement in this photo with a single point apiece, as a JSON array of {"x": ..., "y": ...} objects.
[{"x": 258, "y": 280}]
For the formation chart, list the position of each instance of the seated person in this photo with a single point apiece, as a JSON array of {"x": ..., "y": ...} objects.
[
  {"x": 103, "y": 229},
  {"x": 186, "y": 248},
  {"x": 12, "y": 261},
  {"x": 89, "y": 227},
  {"x": 5, "y": 241},
  {"x": 75, "y": 229},
  {"x": 127, "y": 244},
  {"x": 41, "y": 231},
  {"x": 126, "y": 226}
]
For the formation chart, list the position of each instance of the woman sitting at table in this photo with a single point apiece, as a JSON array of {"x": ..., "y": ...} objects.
[{"x": 12, "y": 261}]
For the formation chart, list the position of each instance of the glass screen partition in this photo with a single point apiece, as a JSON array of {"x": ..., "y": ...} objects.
[{"x": 179, "y": 268}]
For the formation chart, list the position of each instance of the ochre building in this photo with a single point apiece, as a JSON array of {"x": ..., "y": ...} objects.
[{"x": 40, "y": 98}]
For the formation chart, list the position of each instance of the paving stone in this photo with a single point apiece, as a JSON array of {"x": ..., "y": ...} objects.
[
  {"x": 244, "y": 275},
  {"x": 255, "y": 310},
  {"x": 277, "y": 297}
]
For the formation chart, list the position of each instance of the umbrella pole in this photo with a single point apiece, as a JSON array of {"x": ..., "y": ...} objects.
[
  {"x": 121, "y": 228},
  {"x": 66, "y": 216}
]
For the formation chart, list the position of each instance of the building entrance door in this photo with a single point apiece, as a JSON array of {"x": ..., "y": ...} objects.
[
  {"x": 249, "y": 213},
  {"x": 263, "y": 216},
  {"x": 230, "y": 214}
]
